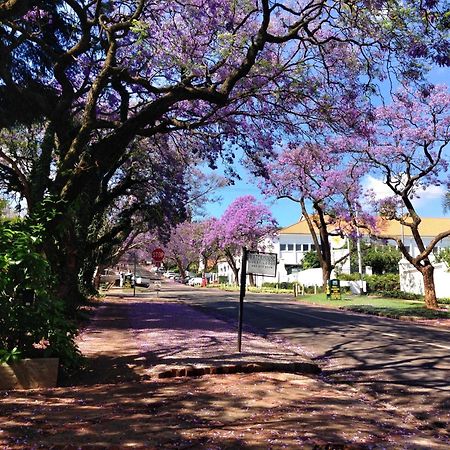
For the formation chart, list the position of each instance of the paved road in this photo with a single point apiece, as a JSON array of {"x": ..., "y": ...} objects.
[{"x": 404, "y": 364}]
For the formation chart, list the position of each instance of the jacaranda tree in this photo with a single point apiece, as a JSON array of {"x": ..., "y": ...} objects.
[
  {"x": 245, "y": 223},
  {"x": 324, "y": 185},
  {"x": 98, "y": 75},
  {"x": 406, "y": 143}
]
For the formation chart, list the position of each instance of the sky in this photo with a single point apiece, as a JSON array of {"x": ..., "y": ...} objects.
[{"x": 287, "y": 212}]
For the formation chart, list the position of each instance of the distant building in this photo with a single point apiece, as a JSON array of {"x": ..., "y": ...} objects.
[
  {"x": 429, "y": 228},
  {"x": 293, "y": 242}
]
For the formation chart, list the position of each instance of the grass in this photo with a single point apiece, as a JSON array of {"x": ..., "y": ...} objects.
[
  {"x": 386, "y": 307},
  {"x": 374, "y": 305},
  {"x": 261, "y": 290}
]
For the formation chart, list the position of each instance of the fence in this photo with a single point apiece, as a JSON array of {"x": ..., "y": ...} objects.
[{"x": 411, "y": 279}]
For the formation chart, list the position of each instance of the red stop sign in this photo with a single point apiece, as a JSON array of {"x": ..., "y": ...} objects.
[{"x": 158, "y": 254}]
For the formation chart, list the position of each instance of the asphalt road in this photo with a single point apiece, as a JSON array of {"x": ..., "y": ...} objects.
[{"x": 403, "y": 365}]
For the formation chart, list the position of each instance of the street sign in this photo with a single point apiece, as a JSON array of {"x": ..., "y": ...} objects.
[
  {"x": 262, "y": 264},
  {"x": 158, "y": 254},
  {"x": 256, "y": 264},
  {"x": 334, "y": 290}
]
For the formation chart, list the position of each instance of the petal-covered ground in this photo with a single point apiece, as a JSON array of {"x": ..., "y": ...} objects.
[{"x": 118, "y": 402}]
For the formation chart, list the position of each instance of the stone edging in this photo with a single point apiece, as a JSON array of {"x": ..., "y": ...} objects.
[{"x": 163, "y": 371}]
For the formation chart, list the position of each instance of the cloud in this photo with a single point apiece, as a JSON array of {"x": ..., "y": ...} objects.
[
  {"x": 431, "y": 193},
  {"x": 377, "y": 186}
]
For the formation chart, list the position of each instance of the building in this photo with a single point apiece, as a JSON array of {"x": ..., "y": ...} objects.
[
  {"x": 429, "y": 228},
  {"x": 293, "y": 242}
]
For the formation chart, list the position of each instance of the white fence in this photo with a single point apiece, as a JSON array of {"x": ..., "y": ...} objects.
[{"x": 411, "y": 280}]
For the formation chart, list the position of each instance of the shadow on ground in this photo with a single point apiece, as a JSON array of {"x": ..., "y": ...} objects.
[{"x": 226, "y": 412}]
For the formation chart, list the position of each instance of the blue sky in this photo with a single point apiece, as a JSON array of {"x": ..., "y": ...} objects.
[{"x": 287, "y": 212}]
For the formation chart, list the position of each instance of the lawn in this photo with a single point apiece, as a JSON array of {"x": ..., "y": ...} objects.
[
  {"x": 388, "y": 307},
  {"x": 375, "y": 305}
]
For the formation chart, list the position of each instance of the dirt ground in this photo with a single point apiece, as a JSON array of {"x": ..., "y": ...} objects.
[{"x": 118, "y": 402}]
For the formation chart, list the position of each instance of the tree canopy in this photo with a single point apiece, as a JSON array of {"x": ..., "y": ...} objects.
[{"x": 98, "y": 80}]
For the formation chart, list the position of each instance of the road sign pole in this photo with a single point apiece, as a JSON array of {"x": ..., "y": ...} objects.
[{"x": 242, "y": 295}]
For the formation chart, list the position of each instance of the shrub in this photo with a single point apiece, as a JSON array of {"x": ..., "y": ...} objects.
[
  {"x": 376, "y": 283},
  {"x": 386, "y": 282},
  {"x": 281, "y": 285},
  {"x": 401, "y": 295},
  {"x": 33, "y": 322}
]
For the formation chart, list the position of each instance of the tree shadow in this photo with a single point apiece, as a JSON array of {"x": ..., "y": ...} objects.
[{"x": 234, "y": 411}]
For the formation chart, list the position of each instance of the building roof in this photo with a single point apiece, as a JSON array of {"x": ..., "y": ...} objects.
[
  {"x": 430, "y": 227},
  {"x": 300, "y": 227}
]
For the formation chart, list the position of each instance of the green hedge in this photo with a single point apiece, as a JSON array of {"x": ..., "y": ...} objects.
[
  {"x": 400, "y": 294},
  {"x": 376, "y": 283},
  {"x": 282, "y": 285},
  {"x": 290, "y": 286}
]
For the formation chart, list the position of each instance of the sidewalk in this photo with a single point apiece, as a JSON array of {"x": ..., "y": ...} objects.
[
  {"x": 161, "y": 339},
  {"x": 125, "y": 401}
]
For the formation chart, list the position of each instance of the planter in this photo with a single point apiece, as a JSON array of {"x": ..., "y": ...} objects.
[{"x": 29, "y": 374}]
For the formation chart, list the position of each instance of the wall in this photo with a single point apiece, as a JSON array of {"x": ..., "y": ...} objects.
[{"x": 411, "y": 280}]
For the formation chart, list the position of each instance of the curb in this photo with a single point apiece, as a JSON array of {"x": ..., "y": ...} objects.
[{"x": 198, "y": 371}]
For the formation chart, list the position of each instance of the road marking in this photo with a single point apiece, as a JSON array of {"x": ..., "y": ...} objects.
[{"x": 362, "y": 326}]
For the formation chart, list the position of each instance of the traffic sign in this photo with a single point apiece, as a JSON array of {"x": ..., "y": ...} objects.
[{"x": 158, "y": 254}]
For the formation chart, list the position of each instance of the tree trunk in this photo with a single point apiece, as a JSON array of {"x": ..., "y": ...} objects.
[
  {"x": 65, "y": 250},
  {"x": 205, "y": 266},
  {"x": 428, "y": 286},
  {"x": 68, "y": 286},
  {"x": 251, "y": 279},
  {"x": 232, "y": 263},
  {"x": 181, "y": 269},
  {"x": 326, "y": 272},
  {"x": 236, "y": 275}
]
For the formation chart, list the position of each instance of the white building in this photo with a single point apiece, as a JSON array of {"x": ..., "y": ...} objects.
[{"x": 293, "y": 242}]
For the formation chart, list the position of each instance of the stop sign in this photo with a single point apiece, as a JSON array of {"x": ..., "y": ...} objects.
[{"x": 158, "y": 254}]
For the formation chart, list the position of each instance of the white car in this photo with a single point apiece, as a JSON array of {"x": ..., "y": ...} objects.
[
  {"x": 141, "y": 280},
  {"x": 196, "y": 281},
  {"x": 169, "y": 274}
]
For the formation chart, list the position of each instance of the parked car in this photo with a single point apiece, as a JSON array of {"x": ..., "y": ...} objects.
[
  {"x": 109, "y": 276},
  {"x": 142, "y": 280},
  {"x": 196, "y": 281},
  {"x": 169, "y": 275}
]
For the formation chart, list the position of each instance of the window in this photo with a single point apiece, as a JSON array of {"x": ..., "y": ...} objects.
[
  {"x": 313, "y": 248},
  {"x": 298, "y": 247},
  {"x": 305, "y": 247},
  {"x": 282, "y": 247},
  {"x": 290, "y": 247}
]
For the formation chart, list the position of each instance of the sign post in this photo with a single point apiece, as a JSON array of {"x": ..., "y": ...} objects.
[
  {"x": 157, "y": 288},
  {"x": 257, "y": 264},
  {"x": 242, "y": 295}
]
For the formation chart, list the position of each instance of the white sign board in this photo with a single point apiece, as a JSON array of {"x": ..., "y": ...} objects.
[{"x": 262, "y": 264}]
